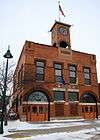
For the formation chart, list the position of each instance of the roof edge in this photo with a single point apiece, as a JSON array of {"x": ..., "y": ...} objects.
[{"x": 58, "y": 22}]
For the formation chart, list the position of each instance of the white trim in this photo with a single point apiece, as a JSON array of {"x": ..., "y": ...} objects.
[
  {"x": 59, "y": 101},
  {"x": 87, "y": 103},
  {"x": 66, "y": 103},
  {"x": 36, "y": 103},
  {"x": 73, "y": 90},
  {"x": 51, "y": 103},
  {"x": 73, "y": 101},
  {"x": 59, "y": 89},
  {"x": 29, "y": 102}
]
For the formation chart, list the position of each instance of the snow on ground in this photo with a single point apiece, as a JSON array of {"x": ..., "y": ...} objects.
[
  {"x": 17, "y": 125},
  {"x": 78, "y": 135}
]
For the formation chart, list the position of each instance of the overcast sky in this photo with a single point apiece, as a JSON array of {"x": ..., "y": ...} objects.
[{"x": 31, "y": 20}]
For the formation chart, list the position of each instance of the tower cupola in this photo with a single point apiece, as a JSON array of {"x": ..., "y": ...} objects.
[{"x": 60, "y": 35}]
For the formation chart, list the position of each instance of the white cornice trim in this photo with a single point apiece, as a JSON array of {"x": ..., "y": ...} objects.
[
  {"x": 59, "y": 89},
  {"x": 87, "y": 103},
  {"x": 37, "y": 103},
  {"x": 73, "y": 90},
  {"x": 34, "y": 103}
]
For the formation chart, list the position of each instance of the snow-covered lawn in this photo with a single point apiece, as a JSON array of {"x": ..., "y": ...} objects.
[{"x": 78, "y": 135}]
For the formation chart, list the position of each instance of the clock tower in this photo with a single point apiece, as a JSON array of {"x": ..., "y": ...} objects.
[{"x": 60, "y": 35}]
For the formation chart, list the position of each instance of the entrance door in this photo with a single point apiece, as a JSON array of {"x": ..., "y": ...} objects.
[
  {"x": 89, "y": 112},
  {"x": 39, "y": 107},
  {"x": 89, "y": 106},
  {"x": 38, "y": 112}
]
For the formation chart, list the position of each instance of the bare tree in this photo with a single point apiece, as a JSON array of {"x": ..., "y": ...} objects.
[{"x": 9, "y": 77}]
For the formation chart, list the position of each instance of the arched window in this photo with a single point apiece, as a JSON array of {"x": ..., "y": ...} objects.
[
  {"x": 88, "y": 98},
  {"x": 37, "y": 96}
]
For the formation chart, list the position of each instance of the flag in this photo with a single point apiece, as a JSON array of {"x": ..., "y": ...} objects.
[
  {"x": 61, "y": 82},
  {"x": 60, "y": 9}
]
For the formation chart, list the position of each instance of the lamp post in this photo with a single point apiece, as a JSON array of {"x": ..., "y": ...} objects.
[{"x": 8, "y": 56}]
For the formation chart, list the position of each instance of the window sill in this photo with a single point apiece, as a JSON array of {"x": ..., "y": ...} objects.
[
  {"x": 87, "y": 85},
  {"x": 73, "y": 101},
  {"x": 39, "y": 81},
  {"x": 73, "y": 84},
  {"x": 59, "y": 101}
]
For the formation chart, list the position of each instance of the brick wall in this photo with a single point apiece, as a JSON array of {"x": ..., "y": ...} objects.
[{"x": 33, "y": 51}]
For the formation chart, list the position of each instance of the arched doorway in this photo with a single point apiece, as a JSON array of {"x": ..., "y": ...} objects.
[
  {"x": 89, "y": 106},
  {"x": 38, "y": 107}
]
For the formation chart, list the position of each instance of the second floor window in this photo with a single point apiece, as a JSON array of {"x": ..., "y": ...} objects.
[
  {"x": 73, "y": 96},
  {"x": 58, "y": 72},
  {"x": 72, "y": 74},
  {"x": 40, "y": 70},
  {"x": 87, "y": 78},
  {"x": 59, "y": 95}
]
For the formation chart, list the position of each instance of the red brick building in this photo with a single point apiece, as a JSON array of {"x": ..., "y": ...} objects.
[{"x": 55, "y": 81}]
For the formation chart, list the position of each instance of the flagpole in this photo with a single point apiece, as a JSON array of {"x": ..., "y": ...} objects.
[{"x": 59, "y": 10}]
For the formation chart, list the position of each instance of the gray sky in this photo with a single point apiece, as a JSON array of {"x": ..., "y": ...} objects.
[{"x": 31, "y": 20}]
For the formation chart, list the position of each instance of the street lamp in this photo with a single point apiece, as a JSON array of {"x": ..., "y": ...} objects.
[{"x": 8, "y": 56}]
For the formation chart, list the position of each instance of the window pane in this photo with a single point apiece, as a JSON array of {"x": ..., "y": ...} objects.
[
  {"x": 91, "y": 109},
  {"x": 34, "y": 110},
  {"x": 72, "y": 74},
  {"x": 88, "y": 98},
  {"x": 39, "y": 70},
  {"x": 40, "y": 109},
  {"x": 73, "y": 96},
  {"x": 86, "y": 75},
  {"x": 40, "y": 64},
  {"x": 58, "y": 95},
  {"x": 37, "y": 96},
  {"x": 58, "y": 78},
  {"x": 87, "y": 81},
  {"x": 87, "y": 78},
  {"x": 86, "y": 70},
  {"x": 86, "y": 108},
  {"x": 72, "y": 68},
  {"x": 39, "y": 77},
  {"x": 57, "y": 66},
  {"x": 73, "y": 80},
  {"x": 58, "y": 72}
]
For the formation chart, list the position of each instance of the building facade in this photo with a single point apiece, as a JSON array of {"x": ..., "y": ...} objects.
[{"x": 55, "y": 81}]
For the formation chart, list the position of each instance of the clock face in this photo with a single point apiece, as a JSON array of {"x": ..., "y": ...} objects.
[{"x": 63, "y": 30}]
